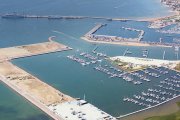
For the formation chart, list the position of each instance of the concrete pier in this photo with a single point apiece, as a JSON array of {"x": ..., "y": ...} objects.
[
  {"x": 51, "y": 17},
  {"x": 92, "y": 31}
]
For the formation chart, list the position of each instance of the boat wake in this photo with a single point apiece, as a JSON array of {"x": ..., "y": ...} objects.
[{"x": 66, "y": 35}]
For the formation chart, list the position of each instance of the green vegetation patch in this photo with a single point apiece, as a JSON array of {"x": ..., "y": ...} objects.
[
  {"x": 173, "y": 116},
  {"x": 177, "y": 67},
  {"x": 178, "y": 103},
  {"x": 125, "y": 66}
]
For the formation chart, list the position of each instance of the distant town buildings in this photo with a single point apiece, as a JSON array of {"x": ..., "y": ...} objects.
[{"x": 174, "y": 4}]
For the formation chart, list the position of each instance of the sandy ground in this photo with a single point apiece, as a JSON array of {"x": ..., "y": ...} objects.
[
  {"x": 30, "y": 98},
  {"x": 165, "y": 109},
  {"x": 32, "y": 85},
  {"x": 29, "y": 50},
  {"x": 37, "y": 92}
]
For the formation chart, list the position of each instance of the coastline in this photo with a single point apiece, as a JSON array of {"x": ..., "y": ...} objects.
[
  {"x": 31, "y": 88},
  {"x": 47, "y": 98},
  {"x": 173, "y": 13},
  {"x": 30, "y": 99},
  {"x": 144, "y": 114}
]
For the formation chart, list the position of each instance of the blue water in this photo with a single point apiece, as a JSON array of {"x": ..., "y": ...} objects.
[
  {"x": 106, "y": 8},
  {"x": 115, "y": 29},
  {"x": 63, "y": 74},
  {"x": 72, "y": 78},
  {"x": 14, "y": 107}
]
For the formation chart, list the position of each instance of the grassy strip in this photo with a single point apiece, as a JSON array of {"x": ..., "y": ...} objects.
[
  {"x": 178, "y": 67},
  {"x": 122, "y": 65},
  {"x": 173, "y": 116}
]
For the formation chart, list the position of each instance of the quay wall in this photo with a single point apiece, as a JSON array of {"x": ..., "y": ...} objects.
[
  {"x": 122, "y": 116},
  {"x": 97, "y": 27},
  {"x": 51, "y": 17}
]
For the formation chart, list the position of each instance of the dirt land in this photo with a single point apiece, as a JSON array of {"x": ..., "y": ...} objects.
[
  {"x": 32, "y": 85},
  {"x": 30, "y": 50}
]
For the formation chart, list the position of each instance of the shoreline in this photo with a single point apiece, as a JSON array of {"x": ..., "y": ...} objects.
[
  {"x": 45, "y": 97},
  {"x": 174, "y": 13},
  {"x": 30, "y": 99},
  {"x": 26, "y": 85},
  {"x": 137, "y": 114}
]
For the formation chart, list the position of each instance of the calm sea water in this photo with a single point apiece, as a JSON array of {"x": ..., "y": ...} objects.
[
  {"x": 65, "y": 75},
  {"x": 14, "y": 107},
  {"x": 107, "y": 8},
  {"x": 115, "y": 28}
]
